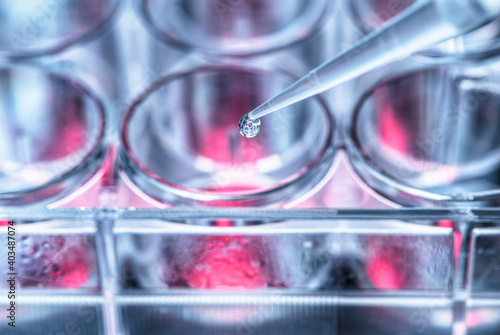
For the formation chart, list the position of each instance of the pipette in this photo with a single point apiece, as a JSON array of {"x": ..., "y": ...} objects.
[{"x": 424, "y": 24}]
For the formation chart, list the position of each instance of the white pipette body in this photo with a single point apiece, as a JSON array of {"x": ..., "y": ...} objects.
[{"x": 426, "y": 23}]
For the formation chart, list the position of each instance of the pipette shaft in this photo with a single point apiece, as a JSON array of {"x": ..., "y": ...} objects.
[{"x": 426, "y": 23}]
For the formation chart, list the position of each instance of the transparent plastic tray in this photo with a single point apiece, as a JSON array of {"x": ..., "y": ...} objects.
[
  {"x": 110, "y": 260},
  {"x": 280, "y": 272}
]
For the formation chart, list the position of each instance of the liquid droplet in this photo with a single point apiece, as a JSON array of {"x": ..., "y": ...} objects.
[{"x": 249, "y": 127}]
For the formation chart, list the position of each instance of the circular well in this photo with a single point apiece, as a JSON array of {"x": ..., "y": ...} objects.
[
  {"x": 369, "y": 15},
  {"x": 430, "y": 138},
  {"x": 234, "y": 27},
  {"x": 38, "y": 27},
  {"x": 181, "y": 142},
  {"x": 51, "y": 135}
]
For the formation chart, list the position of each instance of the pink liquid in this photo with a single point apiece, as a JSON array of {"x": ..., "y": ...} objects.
[
  {"x": 54, "y": 262},
  {"x": 227, "y": 262}
]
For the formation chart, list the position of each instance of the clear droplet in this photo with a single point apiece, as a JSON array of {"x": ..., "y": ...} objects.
[{"x": 249, "y": 127}]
